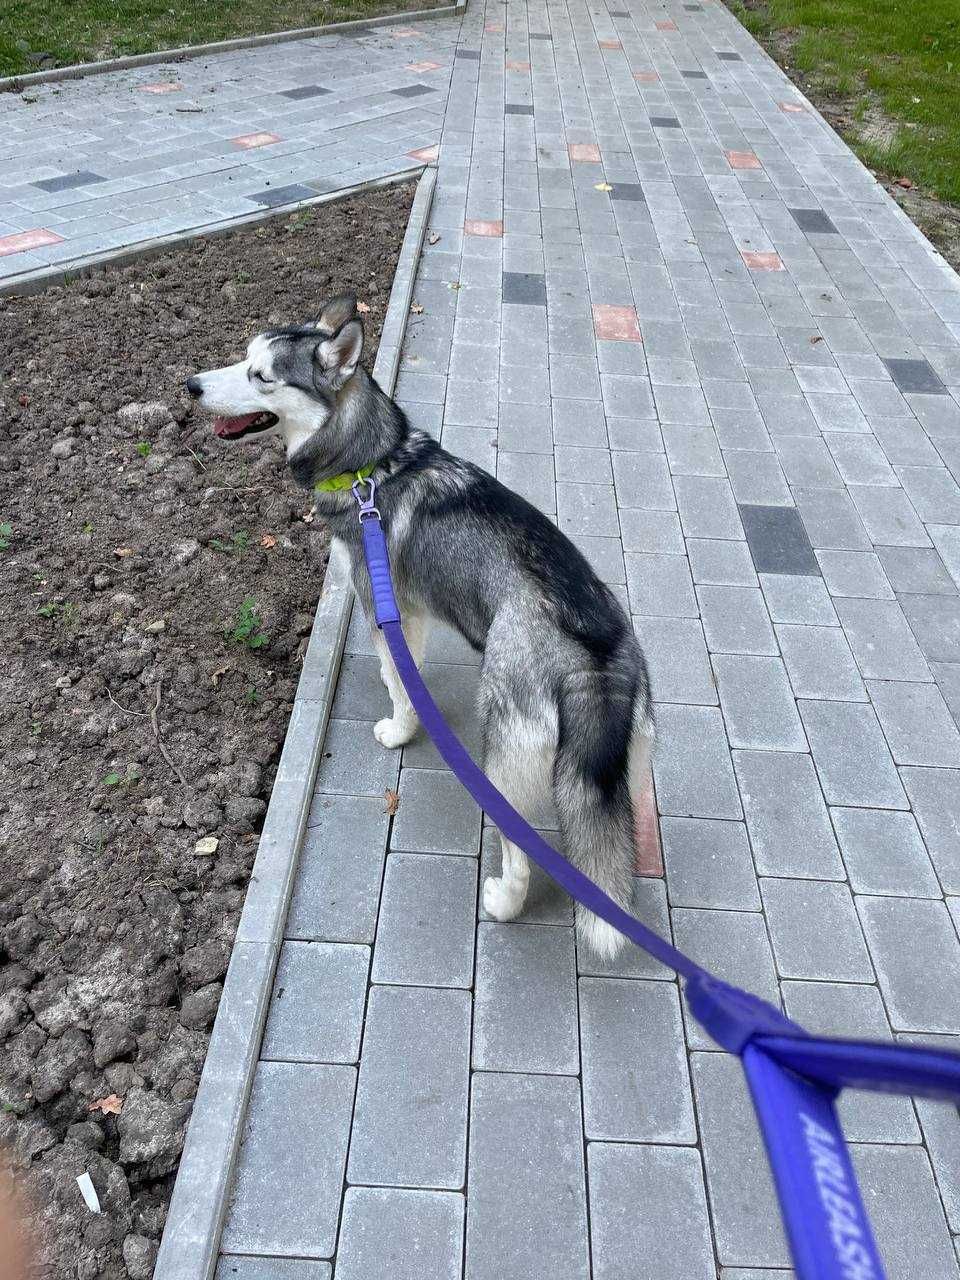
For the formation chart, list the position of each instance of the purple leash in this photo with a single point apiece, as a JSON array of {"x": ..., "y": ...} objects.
[{"x": 794, "y": 1077}]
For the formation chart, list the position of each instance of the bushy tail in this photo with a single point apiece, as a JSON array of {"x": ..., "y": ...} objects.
[{"x": 604, "y": 727}]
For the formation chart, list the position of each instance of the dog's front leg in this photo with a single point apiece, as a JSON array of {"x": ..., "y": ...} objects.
[{"x": 398, "y": 729}]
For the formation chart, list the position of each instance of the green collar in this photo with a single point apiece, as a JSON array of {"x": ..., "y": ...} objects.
[{"x": 345, "y": 480}]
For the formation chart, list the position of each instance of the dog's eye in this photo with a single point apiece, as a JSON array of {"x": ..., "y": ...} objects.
[{"x": 260, "y": 378}]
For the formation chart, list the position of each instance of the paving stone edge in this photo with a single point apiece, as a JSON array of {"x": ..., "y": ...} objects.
[
  {"x": 189, "y": 1247},
  {"x": 80, "y": 70}
]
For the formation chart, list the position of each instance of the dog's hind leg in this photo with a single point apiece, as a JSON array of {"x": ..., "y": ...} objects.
[
  {"x": 519, "y": 763},
  {"x": 398, "y": 729}
]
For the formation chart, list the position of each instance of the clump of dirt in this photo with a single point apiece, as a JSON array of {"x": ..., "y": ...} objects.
[
  {"x": 156, "y": 593},
  {"x": 939, "y": 220}
]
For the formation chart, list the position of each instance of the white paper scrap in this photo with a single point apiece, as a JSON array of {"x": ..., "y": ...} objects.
[{"x": 89, "y": 1193}]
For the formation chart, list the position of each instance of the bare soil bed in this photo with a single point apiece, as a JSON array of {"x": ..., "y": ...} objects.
[{"x": 157, "y": 589}]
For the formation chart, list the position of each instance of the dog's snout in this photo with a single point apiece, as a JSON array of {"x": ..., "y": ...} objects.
[{"x": 195, "y": 387}]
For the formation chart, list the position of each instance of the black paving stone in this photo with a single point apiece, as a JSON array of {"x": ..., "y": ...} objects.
[{"x": 778, "y": 540}]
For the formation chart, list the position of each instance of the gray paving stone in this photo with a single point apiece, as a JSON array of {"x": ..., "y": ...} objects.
[
  {"x": 851, "y": 755},
  {"x": 408, "y": 1235},
  {"x": 360, "y": 693},
  {"x": 884, "y": 853},
  {"x": 651, "y": 531},
  {"x": 854, "y": 1012},
  {"x": 707, "y": 507},
  {"x": 815, "y": 931},
  {"x": 941, "y": 1133},
  {"x": 916, "y": 571},
  {"x": 296, "y": 1134},
  {"x": 854, "y": 573},
  {"x": 708, "y": 864},
  {"x": 525, "y": 1009},
  {"x": 935, "y": 798},
  {"x": 435, "y": 815},
  {"x": 677, "y": 658},
  {"x": 914, "y": 946},
  {"x": 758, "y": 706},
  {"x": 905, "y": 1210},
  {"x": 888, "y": 516},
  {"x": 916, "y": 722},
  {"x": 786, "y": 816},
  {"x": 946, "y": 538},
  {"x": 882, "y": 643},
  {"x": 669, "y": 1242},
  {"x": 660, "y": 586},
  {"x": 338, "y": 877},
  {"x": 427, "y": 912},
  {"x": 354, "y": 763},
  {"x": 234, "y": 1267},
  {"x": 746, "y": 1220},
  {"x": 734, "y": 946},
  {"x": 735, "y": 620},
  {"x": 791, "y": 598},
  {"x": 526, "y": 1211},
  {"x": 605, "y": 556},
  {"x": 635, "y": 1082},
  {"x": 721, "y": 563},
  {"x": 935, "y": 621},
  {"x": 410, "y": 1126},
  {"x": 820, "y": 664},
  {"x": 692, "y": 768},
  {"x": 587, "y": 510},
  {"x": 643, "y": 480},
  {"x": 316, "y": 1014},
  {"x": 831, "y": 520}
]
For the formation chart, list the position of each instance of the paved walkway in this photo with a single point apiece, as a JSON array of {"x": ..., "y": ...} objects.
[{"x": 768, "y": 479}]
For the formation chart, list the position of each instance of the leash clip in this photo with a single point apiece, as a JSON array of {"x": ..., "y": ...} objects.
[{"x": 367, "y": 505}]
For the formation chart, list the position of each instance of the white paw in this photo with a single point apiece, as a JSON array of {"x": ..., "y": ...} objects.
[
  {"x": 394, "y": 733},
  {"x": 503, "y": 899}
]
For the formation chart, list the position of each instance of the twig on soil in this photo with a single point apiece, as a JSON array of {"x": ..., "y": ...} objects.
[
  {"x": 128, "y": 710},
  {"x": 229, "y": 488},
  {"x": 155, "y": 723}
]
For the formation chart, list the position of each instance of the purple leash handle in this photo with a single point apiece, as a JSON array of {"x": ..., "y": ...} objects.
[{"x": 793, "y": 1077}]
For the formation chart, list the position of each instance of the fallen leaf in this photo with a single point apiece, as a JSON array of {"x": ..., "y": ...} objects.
[
  {"x": 392, "y": 801},
  {"x": 122, "y": 552},
  {"x": 433, "y": 238},
  {"x": 363, "y": 308},
  {"x": 109, "y": 1106},
  {"x": 602, "y": 186},
  {"x": 23, "y": 399},
  {"x": 454, "y": 285},
  {"x": 268, "y": 540},
  {"x": 817, "y": 337},
  {"x": 906, "y": 183},
  {"x": 416, "y": 309},
  {"x": 218, "y": 675}
]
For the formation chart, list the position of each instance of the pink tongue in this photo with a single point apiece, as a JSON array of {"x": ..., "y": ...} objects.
[{"x": 231, "y": 426}]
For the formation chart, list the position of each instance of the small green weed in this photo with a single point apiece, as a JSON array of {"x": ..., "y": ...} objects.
[
  {"x": 112, "y": 780},
  {"x": 6, "y": 532},
  {"x": 143, "y": 448},
  {"x": 65, "y": 613},
  {"x": 236, "y": 546},
  {"x": 251, "y": 697},
  {"x": 246, "y": 628}
]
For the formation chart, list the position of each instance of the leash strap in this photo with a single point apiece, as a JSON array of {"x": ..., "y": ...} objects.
[{"x": 793, "y": 1077}]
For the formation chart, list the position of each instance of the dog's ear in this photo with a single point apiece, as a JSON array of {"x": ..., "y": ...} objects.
[
  {"x": 336, "y": 313},
  {"x": 336, "y": 358}
]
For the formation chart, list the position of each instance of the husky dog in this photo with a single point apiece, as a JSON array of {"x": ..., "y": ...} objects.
[{"x": 564, "y": 699}]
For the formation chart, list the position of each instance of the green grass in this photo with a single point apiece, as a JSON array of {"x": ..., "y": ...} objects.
[
  {"x": 896, "y": 65},
  {"x": 87, "y": 30}
]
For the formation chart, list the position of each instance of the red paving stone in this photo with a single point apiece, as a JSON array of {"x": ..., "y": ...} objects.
[
  {"x": 666, "y": 26},
  {"x": 167, "y": 86},
  {"x": 481, "y": 227},
  {"x": 425, "y": 154},
  {"x": 404, "y": 33},
  {"x": 22, "y": 241},
  {"x": 493, "y": 26},
  {"x": 742, "y": 160},
  {"x": 616, "y": 324},
  {"x": 791, "y": 107},
  {"x": 518, "y": 66},
  {"x": 423, "y": 66},
  {"x": 610, "y": 44},
  {"x": 584, "y": 152},
  {"x": 758, "y": 261},
  {"x": 648, "y": 860},
  {"x": 250, "y": 140},
  {"x": 646, "y": 77}
]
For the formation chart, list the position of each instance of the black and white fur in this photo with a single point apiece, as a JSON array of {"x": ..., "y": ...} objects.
[{"x": 564, "y": 698}]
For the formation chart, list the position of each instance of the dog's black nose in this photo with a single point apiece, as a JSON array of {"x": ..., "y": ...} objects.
[{"x": 195, "y": 387}]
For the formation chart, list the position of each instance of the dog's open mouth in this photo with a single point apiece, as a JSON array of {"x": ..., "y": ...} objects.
[{"x": 244, "y": 425}]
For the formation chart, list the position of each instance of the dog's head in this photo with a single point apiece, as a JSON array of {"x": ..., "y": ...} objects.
[{"x": 290, "y": 380}]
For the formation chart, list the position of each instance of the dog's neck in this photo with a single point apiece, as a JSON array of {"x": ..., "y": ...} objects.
[{"x": 363, "y": 430}]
